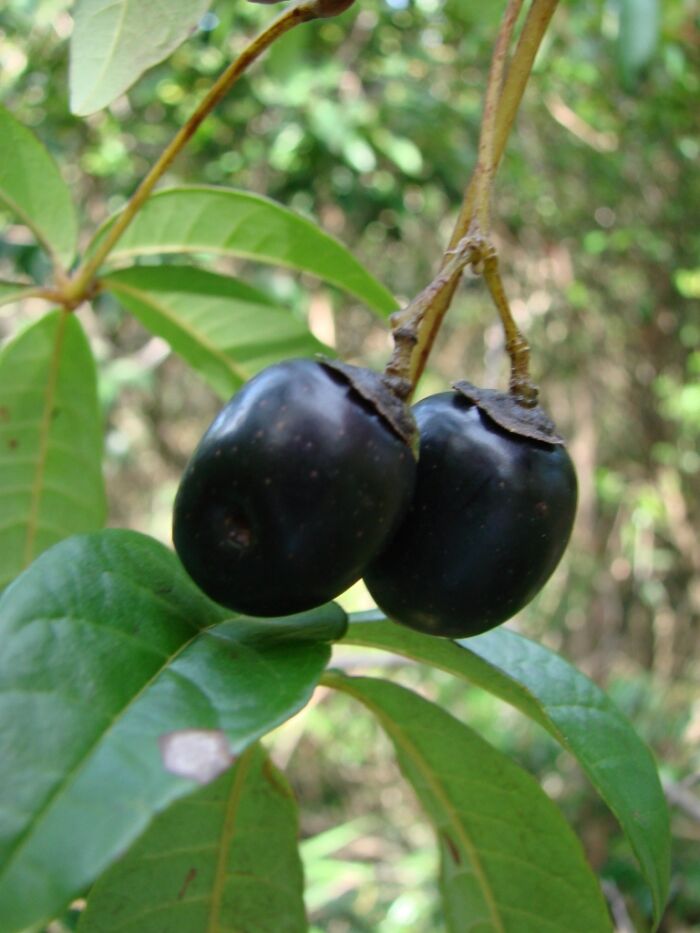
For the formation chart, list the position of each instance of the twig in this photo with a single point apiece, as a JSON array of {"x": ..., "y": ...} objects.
[
  {"x": 479, "y": 188},
  {"x": 75, "y": 291}
]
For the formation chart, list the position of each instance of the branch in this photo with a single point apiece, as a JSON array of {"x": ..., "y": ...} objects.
[{"x": 303, "y": 12}]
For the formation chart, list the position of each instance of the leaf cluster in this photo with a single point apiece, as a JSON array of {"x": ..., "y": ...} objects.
[{"x": 133, "y": 708}]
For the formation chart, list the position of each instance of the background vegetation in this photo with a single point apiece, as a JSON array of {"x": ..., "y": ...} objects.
[{"x": 369, "y": 125}]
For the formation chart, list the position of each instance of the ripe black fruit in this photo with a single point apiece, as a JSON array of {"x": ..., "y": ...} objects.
[
  {"x": 295, "y": 485},
  {"x": 490, "y": 518}
]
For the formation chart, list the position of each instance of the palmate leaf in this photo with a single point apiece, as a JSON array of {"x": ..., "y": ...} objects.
[
  {"x": 226, "y": 330},
  {"x": 225, "y": 222},
  {"x": 225, "y": 857},
  {"x": 31, "y": 188},
  {"x": 510, "y": 861},
  {"x": 570, "y": 707},
  {"x": 51, "y": 483},
  {"x": 115, "y": 41},
  {"x": 121, "y": 688}
]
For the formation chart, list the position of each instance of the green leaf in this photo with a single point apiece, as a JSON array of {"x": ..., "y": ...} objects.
[
  {"x": 225, "y": 330},
  {"x": 221, "y": 221},
  {"x": 32, "y": 189},
  {"x": 570, "y": 707},
  {"x": 637, "y": 37},
  {"x": 121, "y": 688},
  {"x": 403, "y": 152},
  {"x": 51, "y": 483},
  {"x": 11, "y": 292},
  {"x": 225, "y": 857},
  {"x": 115, "y": 41},
  {"x": 510, "y": 861}
]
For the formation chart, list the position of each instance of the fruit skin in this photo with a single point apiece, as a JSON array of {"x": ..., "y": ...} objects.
[
  {"x": 296, "y": 484},
  {"x": 490, "y": 518}
]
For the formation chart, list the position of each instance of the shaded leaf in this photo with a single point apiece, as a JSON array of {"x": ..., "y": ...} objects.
[
  {"x": 108, "y": 651},
  {"x": 51, "y": 483},
  {"x": 31, "y": 188},
  {"x": 510, "y": 863},
  {"x": 637, "y": 37},
  {"x": 115, "y": 41},
  {"x": 223, "y": 221},
  {"x": 225, "y": 857},
  {"x": 570, "y": 707},
  {"x": 225, "y": 330}
]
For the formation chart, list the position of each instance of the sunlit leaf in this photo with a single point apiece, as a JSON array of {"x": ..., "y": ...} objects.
[
  {"x": 115, "y": 41},
  {"x": 570, "y": 707},
  {"x": 31, "y": 189},
  {"x": 225, "y": 330},
  {"x": 225, "y": 857},
  {"x": 402, "y": 151},
  {"x": 51, "y": 483},
  {"x": 122, "y": 688},
  {"x": 222, "y": 221},
  {"x": 510, "y": 861}
]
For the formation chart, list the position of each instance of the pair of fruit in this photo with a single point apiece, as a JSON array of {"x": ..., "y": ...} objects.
[{"x": 307, "y": 480}]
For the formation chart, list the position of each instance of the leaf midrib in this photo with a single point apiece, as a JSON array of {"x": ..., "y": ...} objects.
[
  {"x": 414, "y": 755},
  {"x": 196, "y": 336},
  {"x": 72, "y": 775},
  {"x": 228, "y": 828},
  {"x": 44, "y": 434},
  {"x": 536, "y": 709}
]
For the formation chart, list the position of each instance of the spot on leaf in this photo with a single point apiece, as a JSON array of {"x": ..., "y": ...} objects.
[{"x": 199, "y": 754}]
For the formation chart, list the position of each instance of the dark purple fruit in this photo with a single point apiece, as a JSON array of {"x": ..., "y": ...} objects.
[
  {"x": 490, "y": 518},
  {"x": 296, "y": 484}
]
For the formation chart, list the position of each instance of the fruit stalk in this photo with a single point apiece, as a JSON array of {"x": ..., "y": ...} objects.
[
  {"x": 480, "y": 189},
  {"x": 536, "y": 23},
  {"x": 485, "y": 171}
]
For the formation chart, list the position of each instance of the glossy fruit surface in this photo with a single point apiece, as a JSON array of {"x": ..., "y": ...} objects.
[
  {"x": 293, "y": 488},
  {"x": 490, "y": 518}
]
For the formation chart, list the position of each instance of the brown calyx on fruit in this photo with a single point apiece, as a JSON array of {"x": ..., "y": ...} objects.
[
  {"x": 372, "y": 387},
  {"x": 508, "y": 413}
]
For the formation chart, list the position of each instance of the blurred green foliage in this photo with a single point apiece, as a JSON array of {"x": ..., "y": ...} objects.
[{"x": 369, "y": 124}]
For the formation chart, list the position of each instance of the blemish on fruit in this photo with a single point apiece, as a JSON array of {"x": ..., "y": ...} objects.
[{"x": 237, "y": 530}]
